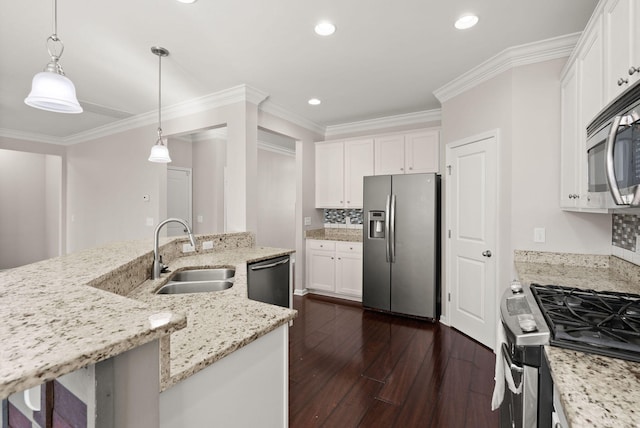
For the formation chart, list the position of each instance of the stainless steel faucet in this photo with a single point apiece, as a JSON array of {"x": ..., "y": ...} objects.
[{"x": 157, "y": 259}]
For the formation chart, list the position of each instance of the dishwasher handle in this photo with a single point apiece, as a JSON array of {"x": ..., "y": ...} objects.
[{"x": 270, "y": 265}]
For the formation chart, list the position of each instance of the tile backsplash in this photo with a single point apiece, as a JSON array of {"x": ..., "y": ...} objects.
[
  {"x": 624, "y": 235},
  {"x": 340, "y": 216},
  {"x": 626, "y": 228}
]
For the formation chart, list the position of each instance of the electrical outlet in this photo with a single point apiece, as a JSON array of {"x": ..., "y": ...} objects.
[
  {"x": 307, "y": 221},
  {"x": 200, "y": 219},
  {"x": 207, "y": 245},
  {"x": 149, "y": 221},
  {"x": 188, "y": 248},
  {"x": 539, "y": 234}
]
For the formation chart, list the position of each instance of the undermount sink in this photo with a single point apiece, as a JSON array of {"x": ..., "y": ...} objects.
[{"x": 199, "y": 281}]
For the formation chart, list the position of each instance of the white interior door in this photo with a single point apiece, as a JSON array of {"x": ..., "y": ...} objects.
[
  {"x": 179, "y": 195},
  {"x": 471, "y": 261}
]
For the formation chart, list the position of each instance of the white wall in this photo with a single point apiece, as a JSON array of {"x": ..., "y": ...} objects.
[
  {"x": 276, "y": 199},
  {"x": 524, "y": 104},
  {"x": 305, "y": 183},
  {"x": 536, "y": 170},
  {"x": 30, "y": 200},
  {"x": 209, "y": 161}
]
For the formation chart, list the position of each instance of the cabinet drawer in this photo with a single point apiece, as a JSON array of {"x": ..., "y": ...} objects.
[
  {"x": 349, "y": 247},
  {"x": 317, "y": 244}
]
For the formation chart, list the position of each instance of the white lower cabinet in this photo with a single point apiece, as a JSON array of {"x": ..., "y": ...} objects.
[{"x": 335, "y": 267}]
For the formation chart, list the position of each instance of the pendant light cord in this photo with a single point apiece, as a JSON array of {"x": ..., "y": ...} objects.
[
  {"x": 160, "y": 97},
  {"x": 55, "y": 19}
]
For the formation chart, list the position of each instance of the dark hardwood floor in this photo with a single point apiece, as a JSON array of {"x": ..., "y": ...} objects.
[{"x": 354, "y": 368}]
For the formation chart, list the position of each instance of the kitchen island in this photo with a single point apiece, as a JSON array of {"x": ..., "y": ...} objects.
[
  {"x": 594, "y": 390},
  {"x": 67, "y": 313}
]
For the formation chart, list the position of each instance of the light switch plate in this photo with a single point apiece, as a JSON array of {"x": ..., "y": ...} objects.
[
  {"x": 539, "y": 234},
  {"x": 149, "y": 221},
  {"x": 187, "y": 248},
  {"x": 307, "y": 221},
  {"x": 207, "y": 245}
]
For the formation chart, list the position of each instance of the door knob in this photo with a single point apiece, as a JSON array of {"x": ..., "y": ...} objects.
[{"x": 486, "y": 253}]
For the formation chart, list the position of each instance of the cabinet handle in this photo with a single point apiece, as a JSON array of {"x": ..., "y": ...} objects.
[
  {"x": 401, "y": 169},
  {"x": 633, "y": 70},
  {"x": 348, "y": 202},
  {"x": 331, "y": 258},
  {"x": 622, "y": 81}
]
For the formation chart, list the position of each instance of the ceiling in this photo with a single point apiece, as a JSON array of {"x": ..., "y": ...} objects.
[{"x": 386, "y": 58}]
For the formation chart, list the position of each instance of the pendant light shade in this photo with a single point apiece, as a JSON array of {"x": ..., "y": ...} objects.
[
  {"x": 51, "y": 90},
  {"x": 160, "y": 151}
]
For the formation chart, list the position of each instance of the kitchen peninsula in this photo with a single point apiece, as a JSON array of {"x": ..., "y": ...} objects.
[{"x": 62, "y": 315}]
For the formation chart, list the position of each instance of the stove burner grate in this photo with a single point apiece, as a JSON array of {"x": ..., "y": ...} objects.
[{"x": 588, "y": 320}]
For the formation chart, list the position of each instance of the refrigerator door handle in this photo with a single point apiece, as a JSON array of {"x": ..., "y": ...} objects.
[
  {"x": 387, "y": 211},
  {"x": 392, "y": 230}
]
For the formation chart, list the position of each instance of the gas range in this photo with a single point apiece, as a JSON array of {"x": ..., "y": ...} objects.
[{"x": 605, "y": 323}]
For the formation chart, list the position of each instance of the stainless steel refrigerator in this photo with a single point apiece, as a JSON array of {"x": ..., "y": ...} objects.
[{"x": 401, "y": 240}]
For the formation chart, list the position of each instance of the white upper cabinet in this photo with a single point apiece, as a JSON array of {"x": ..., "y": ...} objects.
[
  {"x": 389, "y": 155},
  {"x": 358, "y": 163},
  {"x": 569, "y": 146},
  {"x": 340, "y": 168},
  {"x": 597, "y": 72},
  {"x": 410, "y": 153},
  {"x": 622, "y": 44},
  {"x": 422, "y": 152},
  {"x": 329, "y": 175}
]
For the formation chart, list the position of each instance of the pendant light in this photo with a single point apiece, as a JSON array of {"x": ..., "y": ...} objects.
[
  {"x": 160, "y": 152},
  {"x": 51, "y": 90}
]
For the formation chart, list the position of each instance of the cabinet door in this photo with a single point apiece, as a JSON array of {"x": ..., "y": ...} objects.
[
  {"x": 322, "y": 270},
  {"x": 358, "y": 163},
  {"x": 389, "y": 155},
  {"x": 591, "y": 87},
  {"x": 619, "y": 27},
  {"x": 422, "y": 152},
  {"x": 349, "y": 273},
  {"x": 568, "y": 138},
  {"x": 329, "y": 175}
]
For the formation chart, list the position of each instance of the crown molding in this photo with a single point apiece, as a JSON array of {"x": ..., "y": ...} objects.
[
  {"x": 232, "y": 95},
  {"x": 31, "y": 136},
  {"x": 530, "y": 53},
  {"x": 269, "y": 107},
  {"x": 276, "y": 149},
  {"x": 416, "y": 118}
]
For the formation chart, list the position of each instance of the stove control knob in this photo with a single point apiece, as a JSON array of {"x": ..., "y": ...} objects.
[
  {"x": 516, "y": 287},
  {"x": 527, "y": 323}
]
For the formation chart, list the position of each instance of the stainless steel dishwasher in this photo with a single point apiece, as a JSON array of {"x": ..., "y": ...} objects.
[{"x": 268, "y": 281}]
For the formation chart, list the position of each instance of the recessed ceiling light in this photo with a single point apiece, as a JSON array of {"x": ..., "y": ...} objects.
[
  {"x": 325, "y": 28},
  {"x": 466, "y": 21},
  {"x": 314, "y": 101}
]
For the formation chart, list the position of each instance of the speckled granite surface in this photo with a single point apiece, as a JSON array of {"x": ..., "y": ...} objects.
[
  {"x": 335, "y": 234},
  {"x": 52, "y": 322},
  {"x": 218, "y": 323},
  {"x": 65, "y": 313},
  {"x": 595, "y": 391}
]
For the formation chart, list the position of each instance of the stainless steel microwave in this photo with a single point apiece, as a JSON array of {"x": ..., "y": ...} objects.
[{"x": 613, "y": 153}]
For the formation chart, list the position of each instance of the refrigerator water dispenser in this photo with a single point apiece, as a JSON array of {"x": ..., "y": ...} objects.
[{"x": 376, "y": 224}]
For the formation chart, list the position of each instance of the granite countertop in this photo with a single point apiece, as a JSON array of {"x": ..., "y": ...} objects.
[
  {"x": 595, "y": 390},
  {"x": 335, "y": 234},
  {"x": 218, "y": 323},
  {"x": 52, "y": 321}
]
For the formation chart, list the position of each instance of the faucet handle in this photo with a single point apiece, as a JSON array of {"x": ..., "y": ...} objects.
[{"x": 163, "y": 268}]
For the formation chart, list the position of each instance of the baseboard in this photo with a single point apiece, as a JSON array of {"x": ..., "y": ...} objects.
[
  {"x": 443, "y": 320},
  {"x": 298, "y": 292},
  {"x": 335, "y": 295}
]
